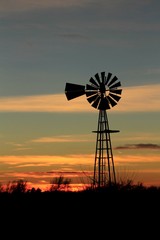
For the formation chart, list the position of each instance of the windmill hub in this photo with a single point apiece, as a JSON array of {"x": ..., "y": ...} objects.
[{"x": 102, "y": 88}]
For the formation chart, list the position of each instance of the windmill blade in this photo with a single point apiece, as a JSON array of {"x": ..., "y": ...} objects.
[
  {"x": 116, "y": 91},
  {"x": 97, "y": 78},
  {"x": 96, "y": 102},
  {"x": 92, "y": 88},
  {"x": 108, "y": 78},
  {"x": 118, "y": 84},
  {"x": 90, "y": 93},
  {"x": 91, "y": 98},
  {"x": 93, "y": 82},
  {"x": 111, "y": 101},
  {"x": 115, "y": 97},
  {"x": 112, "y": 81},
  {"x": 74, "y": 90},
  {"x": 103, "y": 77},
  {"x": 104, "y": 104}
]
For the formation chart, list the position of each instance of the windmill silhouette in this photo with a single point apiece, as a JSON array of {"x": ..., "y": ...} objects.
[{"x": 102, "y": 93}]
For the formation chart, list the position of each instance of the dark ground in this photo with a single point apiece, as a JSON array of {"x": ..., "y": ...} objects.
[{"x": 87, "y": 214}]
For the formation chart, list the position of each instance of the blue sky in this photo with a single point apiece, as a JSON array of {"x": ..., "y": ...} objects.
[{"x": 45, "y": 44}]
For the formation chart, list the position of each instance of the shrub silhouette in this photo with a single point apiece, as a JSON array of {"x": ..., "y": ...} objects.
[
  {"x": 60, "y": 184},
  {"x": 17, "y": 186}
]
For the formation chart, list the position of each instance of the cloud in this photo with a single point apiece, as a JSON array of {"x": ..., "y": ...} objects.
[
  {"x": 63, "y": 138},
  {"x": 139, "y": 146},
  {"x": 71, "y": 161},
  {"x": 26, "y": 5},
  {"x": 46, "y": 160},
  {"x": 138, "y": 137},
  {"x": 140, "y": 99},
  {"x": 153, "y": 71},
  {"x": 18, "y": 146},
  {"x": 134, "y": 99},
  {"x": 41, "y": 103}
]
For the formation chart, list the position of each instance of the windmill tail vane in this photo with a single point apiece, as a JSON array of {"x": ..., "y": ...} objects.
[{"x": 102, "y": 93}]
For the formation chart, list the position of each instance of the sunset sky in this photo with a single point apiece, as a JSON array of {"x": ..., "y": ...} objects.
[{"x": 43, "y": 45}]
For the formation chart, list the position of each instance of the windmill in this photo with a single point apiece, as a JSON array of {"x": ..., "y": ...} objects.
[{"x": 102, "y": 93}]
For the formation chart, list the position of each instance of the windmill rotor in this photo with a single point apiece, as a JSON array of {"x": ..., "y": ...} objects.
[{"x": 102, "y": 92}]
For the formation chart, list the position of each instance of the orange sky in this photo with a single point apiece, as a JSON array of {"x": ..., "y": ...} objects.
[{"x": 138, "y": 168}]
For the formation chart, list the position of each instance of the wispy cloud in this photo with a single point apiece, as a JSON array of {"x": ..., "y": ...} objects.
[
  {"x": 153, "y": 71},
  {"x": 25, "y": 5},
  {"x": 47, "y": 160},
  {"x": 102, "y": 6},
  {"x": 41, "y": 103},
  {"x": 139, "y": 146},
  {"x": 138, "y": 136},
  {"x": 63, "y": 138},
  {"x": 134, "y": 99},
  {"x": 18, "y": 146},
  {"x": 73, "y": 162},
  {"x": 140, "y": 99}
]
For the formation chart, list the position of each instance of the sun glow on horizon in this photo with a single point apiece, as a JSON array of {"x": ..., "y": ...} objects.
[{"x": 79, "y": 168}]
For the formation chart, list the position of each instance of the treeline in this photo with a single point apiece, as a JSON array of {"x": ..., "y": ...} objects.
[
  {"x": 114, "y": 209},
  {"x": 61, "y": 184},
  {"x": 122, "y": 200}
]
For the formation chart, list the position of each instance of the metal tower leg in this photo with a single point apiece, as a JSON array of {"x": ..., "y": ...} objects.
[{"x": 104, "y": 170}]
